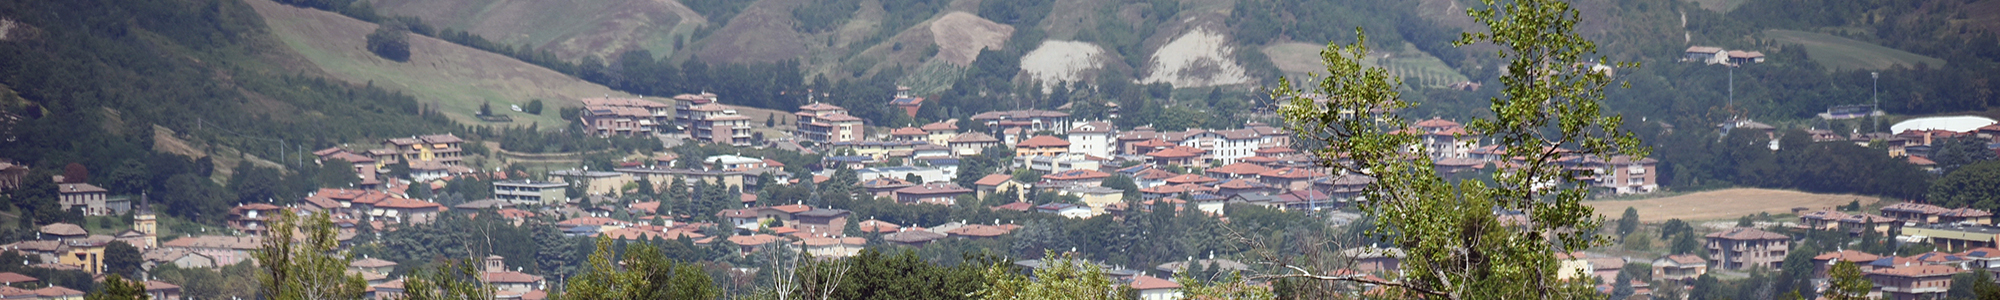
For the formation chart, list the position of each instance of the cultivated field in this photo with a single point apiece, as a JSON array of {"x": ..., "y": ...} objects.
[
  {"x": 1847, "y": 54},
  {"x": 1414, "y": 67},
  {"x": 453, "y": 77},
  {"x": 1723, "y": 204}
]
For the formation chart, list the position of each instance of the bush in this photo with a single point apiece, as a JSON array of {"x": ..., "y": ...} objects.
[
  {"x": 533, "y": 107},
  {"x": 391, "y": 41}
]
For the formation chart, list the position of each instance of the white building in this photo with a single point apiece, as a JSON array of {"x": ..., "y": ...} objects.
[
  {"x": 1226, "y": 146},
  {"x": 1091, "y": 138}
]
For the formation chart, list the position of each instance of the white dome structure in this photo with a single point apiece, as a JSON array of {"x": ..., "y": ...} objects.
[{"x": 1952, "y": 123}]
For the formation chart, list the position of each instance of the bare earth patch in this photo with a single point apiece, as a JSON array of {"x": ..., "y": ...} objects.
[
  {"x": 1724, "y": 204},
  {"x": 1061, "y": 61},
  {"x": 961, "y": 35},
  {"x": 1197, "y": 59}
]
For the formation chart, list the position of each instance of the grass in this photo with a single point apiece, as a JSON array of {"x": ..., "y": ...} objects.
[
  {"x": 1724, "y": 204},
  {"x": 1721, "y": 5},
  {"x": 572, "y": 29},
  {"x": 1839, "y": 53},
  {"x": 1415, "y": 67},
  {"x": 454, "y": 78}
]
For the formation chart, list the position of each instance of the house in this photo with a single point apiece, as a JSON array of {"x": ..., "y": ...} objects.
[
  {"x": 1153, "y": 288},
  {"x": 826, "y": 123},
  {"x": 11, "y": 174},
  {"x": 251, "y": 218},
  {"x": 1079, "y": 177},
  {"x": 822, "y": 221},
  {"x": 1026, "y": 120},
  {"x": 718, "y": 124},
  {"x": 1913, "y": 282},
  {"x": 913, "y": 238},
  {"x": 972, "y": 143},
  {"x": 1684, "y": 268},
  {"x": 531, "y": 192},
  {"x": 57, "y": 292},
  {"x": 684, "y": 105},
  {"x": 998, "y": 182},
  {"x": 1446, "y": 139},
  {"x": 933, "y": 193},
  {"x": 1226, "y": 146},
  {"x": 1179, "y": 156},
  {"x": 981, "y": 231},
  {"x": 1853, "y": 224},
  {"x": 444, "y": 149},
  {"x": 1289, "y": 178},
  {"x": 405, "y": 210},
  {"x": 747, "y": 244},
  {"x": 179, "y": 258},
  {"x": 225, "y": 250},
  {"x": 908, "y": 103},
  {"x": 1096, "y": 197},
  {"x": 90, "y": 197},
  {"x": 884, "y": 186},
  {"x": 375, "y": 265},
  {"x": 625, "y": 116},
  {"x": 1059, "y": 163},
  {"x": 1237, "y": 170},
  {"x": 161, "y": 290},
  {"x": 1824, "y": 261},
  {"x": 1041, "y": 146},
  {"x": 1701, "y": 54},
  {"x": 1066, "y": 210},
  {"x": 1091, "y": 138},
  {"x": 832, "y": 247},
  {"x": 1741, "y": 247},
  {"x": 908, "y": 134},
  {"x": 940, "y": 132},
  {"x": 1621, "y": 174},
  {"x": 1745, "y": 57},
  {"x": 496, "y": 275},
  {"x": 594, "y": 182},
  {"x": 1371, "y": 260}
]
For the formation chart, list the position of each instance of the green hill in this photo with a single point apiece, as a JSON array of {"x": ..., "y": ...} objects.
[
  {"x": 456, "y": 78},
  {"x": 1841, "y": 53},
  {"x": 571, "y": 29}
]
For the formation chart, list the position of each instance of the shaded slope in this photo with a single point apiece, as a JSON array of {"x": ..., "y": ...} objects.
[{"x": 571, "y": 29}]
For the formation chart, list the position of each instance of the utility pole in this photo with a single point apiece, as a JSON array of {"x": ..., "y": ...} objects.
[{"x": 1875, "y": 95}]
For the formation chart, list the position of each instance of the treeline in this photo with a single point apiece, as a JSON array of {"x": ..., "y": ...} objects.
[{"x": 1697, "y": 158}]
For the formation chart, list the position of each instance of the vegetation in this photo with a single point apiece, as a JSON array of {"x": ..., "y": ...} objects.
[
  {"x": 310, "y": 266},
  {"x": 117, "y": 288},
  {"x": 391, "y": 41}
]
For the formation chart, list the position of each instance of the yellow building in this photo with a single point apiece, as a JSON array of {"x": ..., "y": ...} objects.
[
  {"x": 86, "y": 253},
  {"x": 1041, "y": 145}
]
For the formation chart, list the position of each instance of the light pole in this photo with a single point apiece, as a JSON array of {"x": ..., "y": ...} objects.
[{"x": 1875, "y": 95}]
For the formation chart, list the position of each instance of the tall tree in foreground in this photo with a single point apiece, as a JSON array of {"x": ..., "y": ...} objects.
[
  {"x": 117, "y": 288},
  {"x": 302, "y": 260},
  {"x": 1457, "y": 246}
]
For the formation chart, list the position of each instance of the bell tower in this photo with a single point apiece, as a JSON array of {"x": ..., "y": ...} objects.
[{"x": 146, "y": 223}]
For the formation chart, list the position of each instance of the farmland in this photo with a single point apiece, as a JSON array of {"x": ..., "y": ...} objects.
[
  {"x": 1723, "y": 204},
  {"x": 1841, "y": 53}
]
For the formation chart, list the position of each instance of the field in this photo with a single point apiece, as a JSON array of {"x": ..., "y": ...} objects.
[
  {"x": 1842, "y": 53},
  {"x": 572, "y": 29},
  {"x": 1720, "y": 5},
  {"x": 455, "y": 78},
  {"x": 1413, "y": 66},
  {"x": 1723, "y": 204}
]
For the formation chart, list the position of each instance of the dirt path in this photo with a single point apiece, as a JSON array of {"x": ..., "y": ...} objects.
[{"x": 1723, "y": 204}]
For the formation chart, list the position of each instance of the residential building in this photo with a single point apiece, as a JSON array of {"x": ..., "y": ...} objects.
[
  {"x": 1224, "y": 145},
  {"x": 1028, "y": 121},
  {"x": 1289, "y": 178},
  {"x": 718, "y": 124},
  {"x": 251, "y": 218},
  {"x": 1702, "y": 54},
  {"x": 225, "y": 250},
  {"x": 908, "y": 134},
  {"x": 161, "y": 290},
  {"x": 826, "y": 123},
  {"x": 1824, "y": 261},
  {"x": 1947, "y": 237},
  {"x": 1853, "y": 224},
  {"x": 1059, "y": 163},
  {"x": 1096, "y": 197},
  {"x": 405, "y": 210},
  {"x": 971, "y": 143},
  {"x": 1446, "y": 139},
  {"x": 1620, "y": 174},
  {"x": 1683, "y": 268},
  {"x": 11, "y": 174},
  {"x": 531, "y": 192},
  {"x": 1066, "y": 210},
  {"x": 445, "y": 149},
  {"x": 625, "y": 116},
  {"x": 907, "y": 103},
  {"x": 941, "y": 132},
  {"x": 1743, "y": 247},
  {"x": 1000, "y": 182},
  {"x": 1153, "y": 288},
  {"x": 1091, "y": 138},
  {"x": 1041, "y": 146},
  {"x": 90, "y": 197},
  {"x": 1913, "y": 282},
  {"x": 933, "y": 193},
  {"x": 1372, "y": 260},
  {"x": 1739, "y": 57},
  {"x": 496, "y": 275},
  {"x": 684, "y": 105},
  {"x": 594, "y": 182}
]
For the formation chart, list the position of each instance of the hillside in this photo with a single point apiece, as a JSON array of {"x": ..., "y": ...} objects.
[
  {"x": 455, "y": 78},
  {"x": 572, "y": 29}
]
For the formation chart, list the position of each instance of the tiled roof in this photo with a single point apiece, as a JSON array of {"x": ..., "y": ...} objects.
[
  {"x": 1436, "y": 122},
  {"x": 878, "y": 226},
  {"x": 973, "y": 137},
  {"x": 1175, "y": 152},
  {"x": 1703, "y": 49},
  {"x": 1239, "y": 169},
  {"x": 1190, "y": 178},
  {"x": 993, "y": 180},
  {"x": 11, "y": 277},
  {"x": 912, "y": 236},
  {"x": 792, "y": 208},
  {"x": 939, "y": 126},
  {"x": 1687, "y": 259},
  {"x": 1981, "y": 252},
  {"x": 1043, "y": 141},
  {"x": 511, "y": 277},
  {"x": 753, "y": 240},
  {"x": 1143, "y": 282},
  {"x": 1019, "y": 114},
  {"x": 405, "y": 203},
  {"x": 57, "y": 291},
  {"x": 63, "y": 229},
  {"x": 819, "y": 106},
  {"x": 933, "y": 188},
  {"x": 1742, "y": 233},
  {"x": 371, "y": 263},
  {"x": 1015, "y": 206},
  {"x": 1919, "y": 271},
  {"x": 1918, "y": 208},
  {"x": 215, "y": 241},
  {"x": 1291, "y": 173},
  {"x": 906, "y": 131},
  {"x": 1077, "y": 174},
  {"x": 978, "y": 230}
]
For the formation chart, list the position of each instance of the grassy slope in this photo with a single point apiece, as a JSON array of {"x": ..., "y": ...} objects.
[
  {"x": 1842, "y": 53},
  {"x": 1297, "y": 59},
  {"x": 572, "y": 29},
  {"x": 763, "y": 32},
  {"x": 454, "y": 77}
]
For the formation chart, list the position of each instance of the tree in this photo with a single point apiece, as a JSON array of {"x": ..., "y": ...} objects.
[
  {"x": 1972, "y": 285},
  {"x": 1673, "y": 227},
  {"x": 455, "y": 280},
  {"x": 76, "y": 173},
  {"x": 1456, "y": 247},
  {"x": 486, "y": 108},
  {"x": 1061, "y": 277},
  {"x": 534, "y": 107},
  {"x": 1844, "y": 282},
  {"x": 117, "y": 288},
  {"x": 1745, "y": 222},
  {"x": 391, "y": 41},
  {"x": 311, "y": 267},
  {"x": 1976, "y": 186},
  {"x": 1684, "y": 244},
  {"x": 1628, "y": 223},
  {"x": 337, "y": 173},
  {"x": 1954, "y": 153},
  {"x": 121, "y": 258}
]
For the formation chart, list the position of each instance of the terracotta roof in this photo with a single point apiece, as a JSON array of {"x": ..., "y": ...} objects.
[
  {"x": 840, "y": 118},
  {"x": 63, "y": 229},
  {"x": 1981, "y": 252},
  {"x": 1154, "y": 174},
  {"x": 940, "y": 126},
  {"x": 1016, "y": 206},
  {"x": 405, "y": 203},
  {"x": 1966, "y": 213},
  {"x": 1143, "y": 282},
  {"x": 1043, "y": 141},
  {"x": 793, "y": 208},
  {"x": 8, "y": 291},
  {"x": 1687, "y": 259},
  {"x": 1910, "y": 207},
  {"x": 878, "y": 226},
  {"x": 1190, "y": 178},
  {"x": 993, "y": 180},
  {"x": 973, "y": 137},
  {"x": 907, "y": 131},
  {"x": 215, "y": 241},
  {"x": 1919, "y": 271},
  {"x": 1921, "y": 161},
  {"x": 1019, "y": 114},
  {"x": 1239, "y": 183},
  {"x": 57, "y": 291},
  {"x": 1077, "y": 174},
  {"x": 1176, "y": 152},
  {"x": 11, "y": 277},
  {"x": 511, "y": 277},
  {"x": 156, "y": 285},
  {"x": 1703, "y": 49},
  {"x": 978, "y": 230},
  {"x": 371, "y": 263},
  {"x": 1239, "y": 169},
  {"x": 933, "y": 188},
  {"x": 1291, "y": 173},
  {"x": 818, "y": 106},
  {"x": 1742, "y": 233},
  {"x": 590, "y": 221},
  {"x": 753, "y": 240},
  {"x": 1275, "y": 150}
]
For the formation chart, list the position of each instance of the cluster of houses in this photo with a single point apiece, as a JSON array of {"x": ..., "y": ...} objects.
[{"x": 1717, "y": 55}]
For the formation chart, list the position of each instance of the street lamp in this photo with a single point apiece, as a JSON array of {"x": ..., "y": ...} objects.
[{"x": 1875, "y": 90}]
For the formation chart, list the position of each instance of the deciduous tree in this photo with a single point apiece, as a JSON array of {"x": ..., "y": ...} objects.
[{"x": 302, "y": 260}]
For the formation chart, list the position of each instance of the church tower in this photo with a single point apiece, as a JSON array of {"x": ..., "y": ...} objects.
[{"x": 144, "y": 222}]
